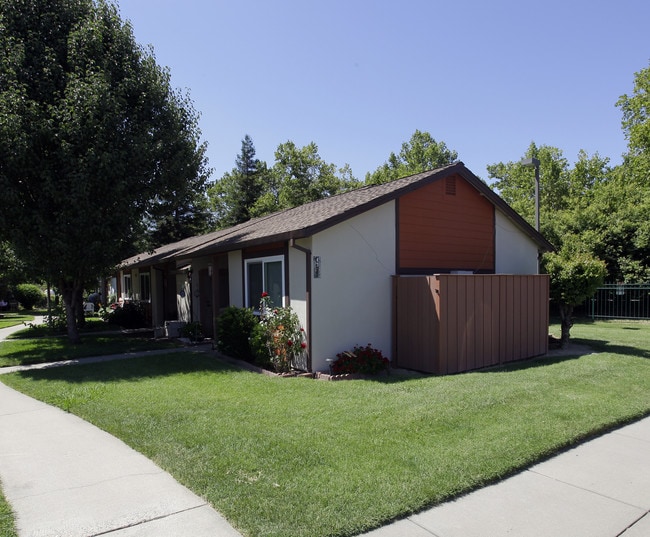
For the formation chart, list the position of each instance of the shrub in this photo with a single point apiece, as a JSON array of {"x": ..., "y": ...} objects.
[
  {"x": 29, "y": 295},
  {"x": 365, "y": 360},
  {"x": 235, "y": 329},
  {"x": 129, "y": 316},
  {"x": 56, "y": 320},
  {"x": 258, "y": 347},
  {"x": 192, "y": 331}
]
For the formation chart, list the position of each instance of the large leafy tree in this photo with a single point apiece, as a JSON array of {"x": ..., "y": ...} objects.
[
  {"x": 236, "y": 193},
  {"x": 516, "y": 184},
  {"x": 303, "y": 176},
  {"x": 300, "y": 175},
  {"x": 94, "y": 142},
  {"x": 636, "y": 127},
  {"x": 12, "y": 271},
  {"x": 419, "y": 154}
]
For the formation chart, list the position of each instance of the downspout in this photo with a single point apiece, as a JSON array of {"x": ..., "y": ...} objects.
[{"x": 307, "y": 252}]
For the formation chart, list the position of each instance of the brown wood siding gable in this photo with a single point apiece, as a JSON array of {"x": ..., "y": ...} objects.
[{"x": 443, "y": 226}]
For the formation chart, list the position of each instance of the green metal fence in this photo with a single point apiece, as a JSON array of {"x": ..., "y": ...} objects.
[{"x": 620, "y": 301}]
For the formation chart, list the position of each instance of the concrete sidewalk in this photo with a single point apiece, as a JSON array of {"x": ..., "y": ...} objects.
[
  {"x": 598, "y": 489},
  {"x": 65, "y": 477}
]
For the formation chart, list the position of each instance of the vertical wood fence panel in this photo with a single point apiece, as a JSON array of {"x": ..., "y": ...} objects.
[{"x": 449, "y": 323}]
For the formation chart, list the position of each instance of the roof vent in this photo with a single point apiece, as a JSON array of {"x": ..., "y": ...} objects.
[{"x": 450, "y": 186}]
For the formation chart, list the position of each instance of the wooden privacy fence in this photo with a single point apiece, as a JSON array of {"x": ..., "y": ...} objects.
[{"x": 448, "y": 323}]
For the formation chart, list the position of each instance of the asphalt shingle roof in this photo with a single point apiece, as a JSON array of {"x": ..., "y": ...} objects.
[{"x": 305, "y": 220}]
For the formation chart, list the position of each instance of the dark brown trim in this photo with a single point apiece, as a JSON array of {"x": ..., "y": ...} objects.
[
  {"x": 308, "y": 254},
  {"x": 428, "y": 271},
  {"x": 264, "y": 250},
  {"x": 398, "y": 260}
]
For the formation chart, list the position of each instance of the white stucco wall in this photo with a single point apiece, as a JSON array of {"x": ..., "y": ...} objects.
[
  {"x": 516, "y": 253},
  {"x": 351, "y": 301},
  {"x": 235, "y": 279},
  {"x": 298, "y": 280}
]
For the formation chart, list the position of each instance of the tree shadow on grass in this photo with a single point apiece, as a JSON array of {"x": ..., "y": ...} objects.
[
  {"x": 603, "y": 345},
  {"x": 55, "y": 349},
  {"x": 132, "y": 369}
]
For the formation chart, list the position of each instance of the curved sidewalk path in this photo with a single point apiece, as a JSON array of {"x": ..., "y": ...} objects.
[{"x": 64, "y": 477}]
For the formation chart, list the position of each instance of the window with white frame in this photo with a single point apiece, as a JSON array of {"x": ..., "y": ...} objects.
[
  {"x": 127, "y": 288},
  {"x": 265, "y": 274},
  {"x": 145, "y": 286}
]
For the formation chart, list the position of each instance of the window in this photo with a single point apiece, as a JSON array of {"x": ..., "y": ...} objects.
[
  {"x": 127, "y": 289},
  {"x": 264, "y": 275},
  {"x": 145, "y": 286}
]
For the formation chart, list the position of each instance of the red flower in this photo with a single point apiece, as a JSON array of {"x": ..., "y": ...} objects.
[
  {"x": 303, "y": 345},
  {"x": 265, "y": 294},
  {"x": 289, "y": 343}
]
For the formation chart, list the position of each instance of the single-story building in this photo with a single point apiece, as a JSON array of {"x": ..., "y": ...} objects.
[{"x": 332, "y": 260}]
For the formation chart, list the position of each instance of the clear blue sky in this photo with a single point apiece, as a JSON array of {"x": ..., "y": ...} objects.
[{"x": 358, "y": 77}]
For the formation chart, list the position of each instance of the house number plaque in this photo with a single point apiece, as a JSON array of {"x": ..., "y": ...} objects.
[{"x": 316, "y": 266}]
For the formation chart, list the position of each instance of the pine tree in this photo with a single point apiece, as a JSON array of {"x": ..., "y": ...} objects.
[{"x": 234, "y": 195}]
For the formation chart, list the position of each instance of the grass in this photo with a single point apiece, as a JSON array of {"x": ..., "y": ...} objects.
[
  {"x": 297, "y": 457},
  {"x": 22, "y": 350},
  {"x": 13, "y": 319},
  {"x": 7, "y": 527}
]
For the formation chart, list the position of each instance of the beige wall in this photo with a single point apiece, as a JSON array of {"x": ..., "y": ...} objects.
[
  {"x": 298, "y": 280},
  {"x": 516, "y": 253},
  {"x": 236, "y": 279},
  {"x": 351, "y": 301}
]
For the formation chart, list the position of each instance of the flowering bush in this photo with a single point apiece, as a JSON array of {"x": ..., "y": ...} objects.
[
  {"x": 365, "y": 360},
  {"x": 283, "y": 336}
]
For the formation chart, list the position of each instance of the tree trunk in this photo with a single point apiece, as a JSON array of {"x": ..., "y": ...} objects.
[
  {"x": 70, "y": 292},
  {"x": 566, "y": 323},
  {"x": 79, "y": 311}
]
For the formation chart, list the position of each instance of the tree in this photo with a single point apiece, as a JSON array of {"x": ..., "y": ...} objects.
[
  {"x": 574, "y": 277},
  {"x": 12, "y": 271},
  {"x": 516, "y": 183},
  {"x": 612, "y": 222},
  {"x": 183, "y": 218},
  {"x": 94, "y": 143},
  {"x": 636, "y": 127},
  {"x": 421, "y": 153},
  {"x": 303, "y": 176},
  {"x": 236, "y": 193},
  {"x": 583, "y": 207}
]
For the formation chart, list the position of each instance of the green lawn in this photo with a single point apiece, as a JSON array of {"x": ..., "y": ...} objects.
[
  {"x": 7, "y": 528},
  {"x": 298, "y": 457},
  {"x": 8, "y": 319},
  {"x": 21, "y": 351}
]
